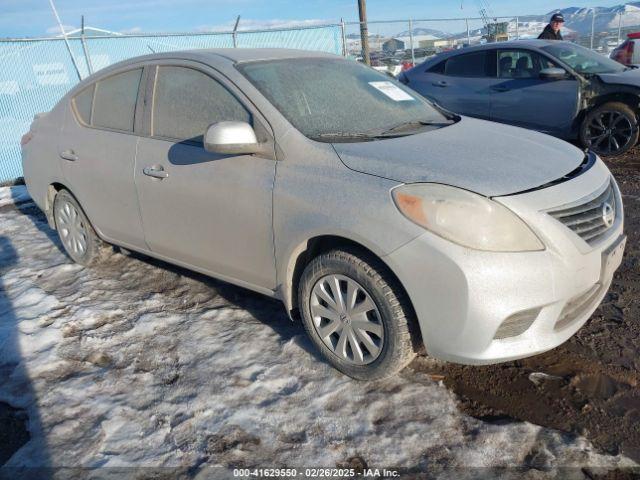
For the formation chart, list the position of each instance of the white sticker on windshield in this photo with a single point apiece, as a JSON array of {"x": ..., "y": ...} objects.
[{"x": 392, "y": 91}]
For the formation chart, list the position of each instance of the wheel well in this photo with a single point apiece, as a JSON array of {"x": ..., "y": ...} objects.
[
  {"x": 629, "y": 99},
  {"x": 623, "y": 97},
  {"x": 52, "y": 191},
  {"x": 322, "y": 244}
]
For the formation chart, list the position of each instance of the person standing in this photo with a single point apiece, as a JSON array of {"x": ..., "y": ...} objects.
[{"x": 552, "y": 30}]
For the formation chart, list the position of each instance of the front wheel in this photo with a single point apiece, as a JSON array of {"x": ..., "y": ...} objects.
[
  {"x": 357, "y": 314},
  {"x": 610, "y": 129}
]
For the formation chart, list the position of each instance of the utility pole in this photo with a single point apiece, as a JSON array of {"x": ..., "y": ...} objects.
[{"x": 364, "y": 31}]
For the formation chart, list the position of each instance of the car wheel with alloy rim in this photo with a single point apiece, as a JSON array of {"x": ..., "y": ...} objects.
[{"x": 611, "y": 129}]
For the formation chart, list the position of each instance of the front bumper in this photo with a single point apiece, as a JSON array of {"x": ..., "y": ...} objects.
[{"x": 462, "y": 297}]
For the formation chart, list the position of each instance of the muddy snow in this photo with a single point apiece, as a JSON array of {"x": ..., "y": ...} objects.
[{"x": 138, "y": 363}]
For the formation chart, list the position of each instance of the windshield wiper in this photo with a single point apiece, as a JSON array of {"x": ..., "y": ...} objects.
[
  {"x": 346, "y": 135},
  {"x": 400, "y": 130},
  {"x": 401, "y": 127}
]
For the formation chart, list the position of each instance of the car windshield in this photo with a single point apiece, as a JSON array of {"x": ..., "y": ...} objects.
[
  {"x": 583, "y": 60},
  {"x": 336, "y": 100}
]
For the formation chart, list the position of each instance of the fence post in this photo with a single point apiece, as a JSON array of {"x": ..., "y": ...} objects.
[
  {"x": 235, "y": 33},
  {"x": 85, "y": 49},
  {"x": 593, "y": 27},
  {"x": 468, "y": 32},
  {"x": 344, "y": 38},
  {"x": 620, "y": 27},
  {"x": 413, "y": 53},
  {"x": 66, "y": 40},
  {"x": 517, "y": 28}
]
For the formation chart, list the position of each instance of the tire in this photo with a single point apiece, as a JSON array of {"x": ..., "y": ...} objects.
[
  {"x": 78, "y": 237},
  {"x": 610, "y": 129},
  {"x": 391, "y": 321}
]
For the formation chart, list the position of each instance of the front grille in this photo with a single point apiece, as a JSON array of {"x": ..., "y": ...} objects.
[{"x": 591, "y": 218}]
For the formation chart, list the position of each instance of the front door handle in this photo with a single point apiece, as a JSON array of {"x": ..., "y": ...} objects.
[
  {"x": 69, "y": 155},
  {"x": 441, "y": 84},
  {"x": 155, "y": 172},
  {"x": 500, "y": 89}
]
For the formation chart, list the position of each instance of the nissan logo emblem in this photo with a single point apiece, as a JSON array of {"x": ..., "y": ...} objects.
[{"x": 608, "y": 215}]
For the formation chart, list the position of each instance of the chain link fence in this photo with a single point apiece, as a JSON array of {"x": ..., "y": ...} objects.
[
  {"x": 36, "y": 73},
  {"x": 394, "y": 42}
]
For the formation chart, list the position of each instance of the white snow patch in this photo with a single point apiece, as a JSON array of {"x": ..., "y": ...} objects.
[
  {"x": 13, "y": 195},
  {"x": 129, "y": 364}
]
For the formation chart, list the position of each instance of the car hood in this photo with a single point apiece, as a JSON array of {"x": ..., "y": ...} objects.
[
  {"x": 628, "y": 77},
  {"x": 484, "y": 157}
]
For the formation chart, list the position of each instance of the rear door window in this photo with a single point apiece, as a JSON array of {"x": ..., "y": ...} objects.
[
  {"x": 186, "y": 101},
  {"x": 114, "y": 104},
  {"x": 438, "y": 68},
  {"x": 476, "y": 64},
  {"x": 83, "y": 103}
]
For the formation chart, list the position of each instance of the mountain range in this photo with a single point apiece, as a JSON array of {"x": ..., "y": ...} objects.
[{"x": 578, "y": 20}]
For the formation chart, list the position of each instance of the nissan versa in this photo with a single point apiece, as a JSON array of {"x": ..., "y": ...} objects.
[{"x": 382, "y": 222}]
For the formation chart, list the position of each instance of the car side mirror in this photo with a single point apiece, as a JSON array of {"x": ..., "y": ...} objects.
[
  {"x": 553, "y": 74},
  {"x": 231, "y": 138}
]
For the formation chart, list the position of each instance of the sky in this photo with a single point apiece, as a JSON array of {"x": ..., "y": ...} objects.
[{"x": 29, "y": 18}]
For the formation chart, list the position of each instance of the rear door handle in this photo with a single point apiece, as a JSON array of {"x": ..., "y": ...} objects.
[
  {"x": 500, "y": 89},
  {"x": 69, "y": 155},
  {"x": 155, "y": 172},
  {"x": 440, "y": 84}
]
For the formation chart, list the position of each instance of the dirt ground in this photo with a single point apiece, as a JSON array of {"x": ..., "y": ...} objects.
[
  {"x": 586, "y": 387},
  {"x": 589, "y": 385}
]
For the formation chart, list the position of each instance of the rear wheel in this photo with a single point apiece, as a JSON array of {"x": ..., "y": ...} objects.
[
  {"x": 78, "y": 237},
  {"x": 357, "y": 314},
  {"x": 611, "y": 129}
]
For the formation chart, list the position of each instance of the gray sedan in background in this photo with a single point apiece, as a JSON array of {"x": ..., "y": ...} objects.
[
  {"x": 558, "y": 88},
  {"x": 381, "y": 221}
]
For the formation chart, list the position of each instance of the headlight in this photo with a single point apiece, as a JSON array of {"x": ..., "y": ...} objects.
[{"x": 465, "y": 218}]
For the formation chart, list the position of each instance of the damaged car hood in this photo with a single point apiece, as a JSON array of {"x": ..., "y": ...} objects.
[
  {"x": 629, "y": 77},
  {"x": 484, "y": 157}
]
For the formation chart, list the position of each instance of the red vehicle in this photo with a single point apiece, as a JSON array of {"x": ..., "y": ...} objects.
[{"x": 628, "y": 53}]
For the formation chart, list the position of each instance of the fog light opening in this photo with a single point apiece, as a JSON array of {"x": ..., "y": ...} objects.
[{"x": 517, "y": 324}]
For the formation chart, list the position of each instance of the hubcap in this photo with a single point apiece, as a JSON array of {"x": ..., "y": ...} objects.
[
  {"x": 72, "y": 229},
  {"x": 347, "y": 319},
  {"x": 609, "y": 132}
]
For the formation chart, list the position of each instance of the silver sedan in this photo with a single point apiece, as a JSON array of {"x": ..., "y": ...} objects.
[{"x": 382, "y": 222}]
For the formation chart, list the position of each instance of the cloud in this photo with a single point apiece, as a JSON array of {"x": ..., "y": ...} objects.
[
  {"x": 132, "y": 30},
  {"x": 55, "y": 30},
  {"x": 252, "y": 24}
]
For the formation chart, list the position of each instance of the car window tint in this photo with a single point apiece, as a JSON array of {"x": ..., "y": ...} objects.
[
  {"x": 83, "y": 102},
  {"x": 187, "y": 101},
  {"x": 522, "y": 64},
  {"x": 115, "y": 101},
  {"x": 469, "y": 65},
  {"x": 438, "y": 68}
]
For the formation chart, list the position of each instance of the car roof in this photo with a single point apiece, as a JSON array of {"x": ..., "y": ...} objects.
[
  {"x": 226, "y": 55},
  {"x": 525, "y": 43},
  {"x": 215, "y": 57},
  {"x": 238, "y": 55}
]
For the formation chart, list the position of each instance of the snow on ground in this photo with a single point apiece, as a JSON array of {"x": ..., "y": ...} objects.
[{"x": 138, "y": 363}]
